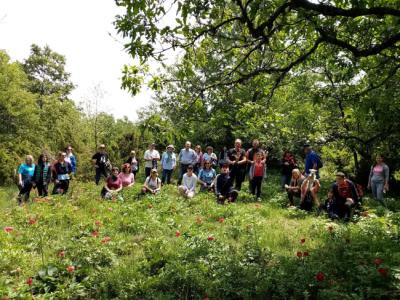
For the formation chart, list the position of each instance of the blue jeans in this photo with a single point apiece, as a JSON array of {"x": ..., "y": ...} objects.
[
  {"x": 166, "y": 176},
  {"x": 182, "y": 172},
  {"x": 377, "y": 189}
]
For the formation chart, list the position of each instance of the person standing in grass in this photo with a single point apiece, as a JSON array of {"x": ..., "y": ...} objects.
[
  {"x": 187, "y": 157},
  {"x": 70, "y": 158},
  {"x": 378, "y": 180},
  {"x": 224, "y": 186},
  {"x": 313, "y": 161},
  {"x": 42, "y": 175},
  {"x": 256, "y": 175},
  {"x": 101, "y": 163},
  {"x": 199, "y": 160},
  {"x": 210, "y": 156},
  {"x": 294, "y": 188},
  {"x": 309, "y": 191},
  {"x": 288, "y": 163},
  {"x": 25, "y": 174},
  {"x": 134, "y": 162},
  {"x": 61, "y": 173},
  {"x": 151, "y": 157},
  {"x": 189, "y": 181},
  {"x": 237, "y": 163},
  {"x": 206, "y": 177},
  {"x": 113, "y": 185},
  {"x": 126, "y": 176},
  {"x": 168, "y": 164},
  {"x": 152, "y": 184}
]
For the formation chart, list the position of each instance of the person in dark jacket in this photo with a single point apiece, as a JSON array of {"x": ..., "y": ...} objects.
[
  {"x": 101, "y": 163},
  {"x": 342, "y": 197},
  {"x": 61, "y": 173},
  {"x": 224, "y": 186},
  {"x": 237, "y": 164},
  {"x": 42, "y": 175},
  {"x": 288, "y": 163}
]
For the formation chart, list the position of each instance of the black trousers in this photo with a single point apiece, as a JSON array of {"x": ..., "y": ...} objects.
[
  {"x": 291, "y": 194},
  {"x": 42, "y": 189},
  {"x": 61, "y": 187},
  {"x": 24, "y": 192},
  {"x": 255, "y": 185},
  {"x": 238, "y": 174}
]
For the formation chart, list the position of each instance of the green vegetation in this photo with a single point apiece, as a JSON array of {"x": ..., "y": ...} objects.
[{"x": 165, "y": 247}]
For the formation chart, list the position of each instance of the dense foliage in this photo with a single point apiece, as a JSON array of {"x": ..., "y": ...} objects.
[{"x": 165, "y": 247}]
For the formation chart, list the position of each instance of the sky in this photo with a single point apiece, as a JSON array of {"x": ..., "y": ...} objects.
[{"x": 82, "y": 31}]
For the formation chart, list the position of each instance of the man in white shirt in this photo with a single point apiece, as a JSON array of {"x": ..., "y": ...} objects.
[
  {"x": 151, "y": 156},
  {"x": 189, "y": 181}
]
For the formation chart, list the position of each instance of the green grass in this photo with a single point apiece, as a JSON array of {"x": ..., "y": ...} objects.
[{"x": 245, "y": 250}]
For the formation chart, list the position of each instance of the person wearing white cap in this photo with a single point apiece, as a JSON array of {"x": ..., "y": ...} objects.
[
  {"x": 151, "y": 156},
  {"x": 168, "y": 164}
]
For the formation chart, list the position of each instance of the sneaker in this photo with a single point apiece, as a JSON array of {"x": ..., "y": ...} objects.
[{"x": 259, "y": 199}]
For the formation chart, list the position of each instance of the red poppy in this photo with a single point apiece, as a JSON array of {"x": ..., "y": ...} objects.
[
  {"x": 221, "y": 220},
  {"x": 378, "y": 261},
  {"x": 302, "y": 241},
  {"x": 106, "y": 239},
  {"x": 299, "y": 254},
  {"x": 32, "y": 221},
  {"x": 305, "y": 253},
  {"x": 61, "y": 254},
  {"x": 177, "y": 233},
  {"x": 320, "y": 276},
  {"x": 71, "y": 269},
  {"x": 8, "y": 229},
  {"x": 29, "y": 281},
  {"x": 95, "y": 233},
  {"x": 210, "y": 238},
  {"x": 383, "y": 272},
  {"x": 98, "y": 223}
]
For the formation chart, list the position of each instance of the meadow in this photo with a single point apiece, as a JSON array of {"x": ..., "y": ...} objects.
[{"x": 165, "y": 247}]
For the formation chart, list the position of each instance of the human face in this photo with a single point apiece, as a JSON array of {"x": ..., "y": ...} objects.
[
  {"x": 115, "y": 172},
  {"x": 69, "y": 149},
  {"x": 62, "y": 157},
  {"x": 225, "y": 170},
  {"x": 379, "y": 159},
  {"x": 339, "y": 179},
  {"x": 207, "y": 165},
  {"x": 154, "y": 174},
  {"x": 188, "y": 145},
  {"x": 45, "y": 159},
  {"x": 190, "y": 171},
  {"x": 28, "y": 161},
  {"x": 256, "y": 144},
  {"x": 238, "y": 144}
]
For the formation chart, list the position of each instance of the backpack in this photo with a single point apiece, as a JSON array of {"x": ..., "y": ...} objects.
[{"x": 320, "y": 164}]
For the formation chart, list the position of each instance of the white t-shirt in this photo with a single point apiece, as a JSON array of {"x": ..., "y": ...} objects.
[
  {"x": 150, "y": 154},
  {"x": 153, "y": 184},
  {"x": 189, "y": 182}
]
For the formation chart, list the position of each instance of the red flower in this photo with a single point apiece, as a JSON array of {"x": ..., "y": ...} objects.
[
  {"x": 305, "y": 253},
  {"x": 299, "y": 254},
  {"x": 29, "y": 281},
  {"x": 221, "y": 220},
  {"x": 206, "y": 298},
  {"x": 320, "y": 276},
  {"x": 8, "y": 229},
  {"x": 177, "y": 233},
  {"x": 95, "y": 233},
  {"x": 71, "y": 269},
  {"x": 106, "y": 239},
  {"x": 98, "y": 223},
  {"x": 378, "y": 261},
  {"x": 61, "y": 254},
  {"x": 32, "y": 221},
  {"x": 383, "y": 272},
  {"x": 302, "y": 241},
  {"x": 210, "y": 238}
]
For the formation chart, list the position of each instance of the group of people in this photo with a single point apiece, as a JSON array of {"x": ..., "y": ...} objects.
[
  {"x": 198, "y": 168},
  {"x": 39, "y": 176}
]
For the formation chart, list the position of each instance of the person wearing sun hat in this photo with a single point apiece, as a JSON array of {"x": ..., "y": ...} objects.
[
  {"x": 168, "y": 164},
  {"x": 342, "y": 197},
  {"x": 152, "y": 184}
]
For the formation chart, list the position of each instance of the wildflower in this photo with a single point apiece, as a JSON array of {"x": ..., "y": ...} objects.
[
  {"x": 221, "y": 220},
  {"x": 71, "y": 269},
  {"x": 95, "y": 234},
  {"x": 302, "y": 241},
  {"x": 32, "y": 221},
  {"x": 61, "y": 254},
  {"x": 299, "y": 254},
  {"x": 305, "y": 253},
  {"x": 378, "y": 261},
  {"x": 110, "y": 209},
  {"x": 106, "y": 239},
  {"x": 199, "y": 220},
  {"x": 177, "y": 233},
  {"x": 383, "y": 272},
  {"x": 8, "y": 229},
  {"x": 29, "y": 281},
  {"x": 98, "y": 223},
  {"x": 210, "y": 238},
  {"x": 320, "y": 276}
]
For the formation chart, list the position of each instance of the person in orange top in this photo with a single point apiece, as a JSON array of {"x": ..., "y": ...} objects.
[{"x": 256, "y": 175}]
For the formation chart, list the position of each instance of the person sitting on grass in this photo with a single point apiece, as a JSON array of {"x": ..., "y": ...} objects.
[
  {"x": 342, "y": 197},
  {"x": 152, "y": 184},
  {"x": 294, "y": 188},
  {"x": 224, "y": 186},
  {"x": 61, "y": 172},
  {"x": 256, "y": 174},
  {"x": 206, "y": 177},
  {"x": 112, "y": 186},
  {"x": 25, "y": 174},
  {"x": 42, "y": 175},
  {"x": 309, "y": 191},
  {"x": 126, "y": 176},
  {"x": 189, "y": 181}
]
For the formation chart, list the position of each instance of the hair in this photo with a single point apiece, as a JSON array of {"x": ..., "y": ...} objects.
[
  {"x": 29, "y": 157},
  {"x": 296, "y": 171},
  {"x": 190, "y": 167},
  {"x": 379, "y": 155},
  {"x": 60, "y": 153},
  {"x": 68, "y": 146},
  {"x": 126, "y": 167},
  {"x": 198, "y": 147},
  {"x": 209, "y": 148},
  {"x": 114, "y": 169},
  {"x": 41, "y": 157},
  {"x": 133, "y": 152},
  {"x": 238, "y": 140}
]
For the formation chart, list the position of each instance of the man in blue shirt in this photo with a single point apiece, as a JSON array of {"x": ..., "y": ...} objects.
[
  {"x": 187, "y": 157},
  {"x": 311, "y": 161},
  {"x": 168, "y": 164}
]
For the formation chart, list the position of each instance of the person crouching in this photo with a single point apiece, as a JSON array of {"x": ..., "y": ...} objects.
[
  {"x": 113, "y": 185},
  {"x": 224, "y": 186},
  {"x": 189, "y": 181}
]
